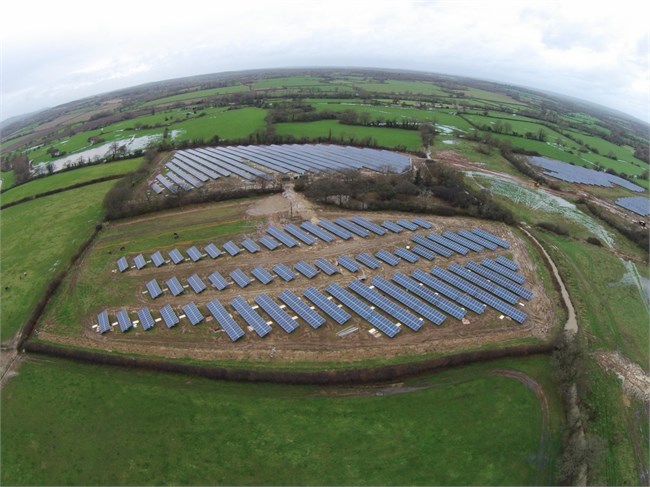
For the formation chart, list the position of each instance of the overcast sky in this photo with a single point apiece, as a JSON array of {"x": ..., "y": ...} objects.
[{"x": 54, "y": 52}]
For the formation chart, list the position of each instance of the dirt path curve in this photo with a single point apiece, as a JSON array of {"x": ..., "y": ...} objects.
[{"x": 635, "y": 381}]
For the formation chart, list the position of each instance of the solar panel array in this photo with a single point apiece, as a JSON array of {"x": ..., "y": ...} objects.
[
  {"x": 503, "y": 270},
  {"x": 212, "y": 250},
  {"x": 406, "y": 254},
  {"x": 240, "y": 278},
  {"x": 157, "y": 259},
  {"x": 231, "y": 248},
  {"x": 447, "y": 243},
  {"x": 123, "y": 320},
  {"x": 387, "y": 257},
  {"x": 154, "y": 289},
  {"x": 363, "y": 310},
  {"x": 269, "y": 242},
  {"x": 250, "y": 316},
  {"x": 174, "y": 286},
  {"x": 501, "y": 280},
  {"x": 305, "y": 269},
  {"x": 368, "y": 225},
  {"x": 429, "y": 244},
  {"x": 146, "y": 320},
  {"x": 169, "y": 316},
  {"x": 352, "y": 227},
  {"x": 326, "y": 266},
  {"x": 281, "y": 236},
  {"x": 447, "y": 290},
  {"x": 299, "y": 234},
  {"x": 139, "y": 261},
  {"x": 284, "y": 272},
  {"x": 122, "y": 264},
  {"x": 422, "y": 223},
  {"x": 279, "y": 315},
  {"x": 197, "y": 285},
  {"x": 492, "y": 238},
  {"x": 193, "y": 314},
  {"x": 423, "y": 252},
  {"x": 393, "y": 227},
  {"x": 171, "y": 187},
  {"x": 194, "y": 254},
  {"x": 262, "y": 275},
  {"x": 386, "y": 305},
  {"x": 463, "y": 241},
  {"x": 348, "y": 263},
  {"x": 176, "y": 256},
  {"x": 407, "y": 224},
  {"x": 504, "y": 261},
  {"x": 102, "y": 321},
  {"x": 305, "y": 312},
  {"x": 581, "y": 175},
  {"x": 426, "y": 294},
  {"x": 479, "y": 240},
  {"x": 156, "y": 187},
  {"x": 226, "y": 321},
  {"x": 484, "y": 283},
  {"x": 324, "y": 235},
  {"x": 368, "y": 260},
  {"x": 409, "y": 301},
  {"x": 335, "y": 229},
  {"x": 218, "y": 281},
  {"x": 327, "y": 306},
  {"x": 636, "y": 204},
  {"x": 250, "y": 245}
]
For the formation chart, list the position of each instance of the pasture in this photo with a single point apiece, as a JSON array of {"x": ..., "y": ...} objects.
[
  {"x": 8, "y": 179},
  {"x": 194, "y": 95},
  {"x": 38, "y": 239},
  {"x": 67, "y": 423}
]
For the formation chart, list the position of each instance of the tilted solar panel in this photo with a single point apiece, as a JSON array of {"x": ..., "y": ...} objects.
[
  {"x": 250, "y": 245},
  {"x": 156, "y": 187},
  {"x": 406, "y": 254},
  {"x": 407, "y": 224},
  {"x": 278, "y": 315},
  {"x": 250, "y": 316},
  {"x": 139, "y": 261},
  {"x": 212, "y": 250},
  {"x": 492, "y": 238},
  {"x": 269, "y": 242},
  {"x": 262, "y": 275},
  {"x": 368, "y": 260},
  {"x": 422, "y": 223},
  {"x": 446, "y": 287},
  {"x": 284, "y": 272},
  {"x": 425, "y": 293},
  {"x": 218, "y": 281},
  {"x": 299, "y": 234},
  {"x": 305, "y": 269},
  {"x": 479, "y": 240},
  {"x": 197, "y": 285},
  {"x": 281, "y": 236},
  {"x": 335, "y": 229},
  {"x": 193, "y": 314},
  {"x": 500, "y": 280},
  {"x": 194, "y": 254},
  {"x": 154, "y": 289},
  {"x": 157, "y": 259},
  {"x": 122, "y": 264},
  {"x": 420, "y": 307},
  {"x": 174, "y": 286},
  {"x": 327, "y": 306},
  {"x": 387, "y": 257},
  {"x": 176, "y": 256},
  {"x": 352, "y": 227},
  {"x": 423, "y": 252},
  {"x": 504, "y": 261},
  {"x": 463, "y": 241},
  {"x": 504, "y": 271},
  {"x": 222, "y": 316},
  {"x": 431, "y": 245},
  {"x": 231, "y": 248},
  {"x": 146, "y": 320},
  {"x": 326, "y": 266},
  {"x": 386, "y": 305},
  {"x": 302, "y": 309},
  {"x": 123, "y": 320},
  {"x": 393, "y": 227},
  {"x": 368, "y": 225},
  {"x": 482, "y": 282},
  {"x": 318, "y": 232},
  {"x": 102, "y": 321},
  {"x": 240, "y": 278},
  {"x": 448, "y": 243},
  {"x": 348, "y": 263},
  {"x": 169, "y": 316}
]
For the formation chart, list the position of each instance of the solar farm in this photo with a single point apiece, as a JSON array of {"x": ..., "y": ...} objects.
[
  {"x": 193, "y": 168},
  {"x": 636, "y": 204},
  {"x": 340, "y": 283}
]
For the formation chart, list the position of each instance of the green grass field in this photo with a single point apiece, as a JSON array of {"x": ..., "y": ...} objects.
[
  {"x": 192, "y": 95},
  {"x": 67, "y": 423},
  {"x": 8, "y": 179},
  {"x": 228, "y": 124},
  {"x": 38, "y": 239},
  {"x": 385, "y": 137},
  {"x": 68, "y": 178},
  {"x": 402, "y": 87}
]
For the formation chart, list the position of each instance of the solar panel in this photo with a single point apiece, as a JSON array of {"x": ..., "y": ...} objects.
[
  {"x": 169, "y": 316},
  {"x": 504, "y": 261},
  {"x": 154, "y": 289},
  {"x": 448, "y": 243},
  {"x": 636, "y": 204},
  {"x": 157, "y": 259},
  {"x": 305, "y": 269},
  {"x": 479, "y": 240},
  {"x": 250, "y": 245},
  {"x": 407, "y": 224},
  {"x": 262, "y": 275},
  {"x": 463, "y": 241},
  {"x": 231, "y": 248},
  {"x": 284, "y": 272},
  {"x": 281, "y": 236},
  {"x": 250, "y": 315},
  {"x": 299, "y": 234},
  {"x": 386, "y": 305},
  {"x": 492, "y": 238},
  {"x": 422, "y": 223},
  {"x": 167, "y": 184},
  {"x": 139, "y": 261},
  {"x": 428, "y": 295},
  {"x": 375, "y": 319},
  {"x": 240, "y": 278},
  {"x": 318, "y": 232},
  {"x": 368, "y": 260},
  {"x": 122, "y": 264},
  {"x": 326, "y": 266},
  {"x": 393, "y": 227},
  {"x": 335, "y": 229},
  {"x": 406, "y": 254},
  {"x": 212, "y": 250},
  {"x": 124, "y": 321},
  {"x": 501, "y": 280},
  {"x": 447, "y": 289},
  {"x": 176, "y": 256},
  {"x": 420, "y": 307},
  {"x": 305, "y": 312},
  {"x": 327, "y": 306},
  {"x": 504, "y": 271},
  {"x": 348, "y": 263},
  {"x": 429, "y": 244},
  {"x": 368, "y": 225},
  {"x": 423, "y": 252},
  {"x": 194, "y": 254},
  {"x": 229, "y": 325},
  {"x": 354, "y": 228},
  {"x": 179, "y": 181},
  {"x": 196, "y": 283},
  {"x": 387, "y": 257},
  {"x": 482, "y": 282},
  {"x": 146, "y": 320},
  {"x": 102, "y": 321},
  {"x": 174, "y": 286},
  {"x": 218, "y": 281},
  {"x": 278, "y": 315},
  {"x": 193, "y": 314},
  {"x": 156, "y": 187},
  {"x": 269, "y": 242}
]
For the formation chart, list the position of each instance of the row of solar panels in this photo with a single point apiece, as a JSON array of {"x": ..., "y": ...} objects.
[
  {"x": 465, "y": 287},
  {"x": 192, "y": 167},
  {"x": 637, "y": 204}
]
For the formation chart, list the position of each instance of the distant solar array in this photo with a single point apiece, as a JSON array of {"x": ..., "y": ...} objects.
[
  {"x": 192, "y": 168},
  {"x": 636, "y": 204},
  {"x": 581, "y": 175}
]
